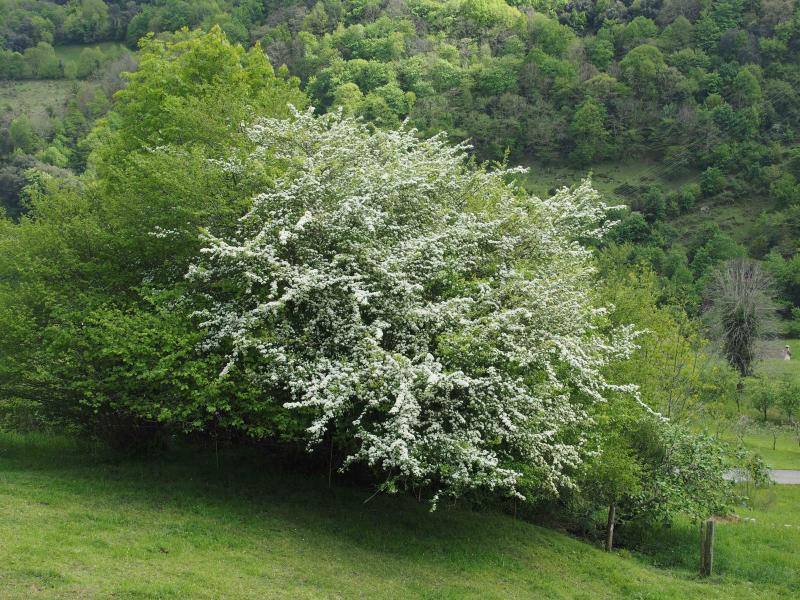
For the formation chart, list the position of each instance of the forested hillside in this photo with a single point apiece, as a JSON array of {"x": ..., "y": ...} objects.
[{"x": 697, "y": 98}]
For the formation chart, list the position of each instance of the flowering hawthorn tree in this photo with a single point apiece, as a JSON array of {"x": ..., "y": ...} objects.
[{"x": 426, "y": 308}]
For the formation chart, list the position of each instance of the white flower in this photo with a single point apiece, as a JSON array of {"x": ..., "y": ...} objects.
[{"x": 460, "y": 346}]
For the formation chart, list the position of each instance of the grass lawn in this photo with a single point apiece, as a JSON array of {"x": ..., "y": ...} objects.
[
  {"x": 773, "y": 366},
  {"x": 763, "y": 547},
  {"x": 75, "y": 525},
  {"x": 786, "y": 454}
]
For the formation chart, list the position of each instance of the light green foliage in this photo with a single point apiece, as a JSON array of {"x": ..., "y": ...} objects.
[
  {"x": 688, "y": 60},
  {"x": 642, "y": 68},
  {"x": 177, "y": 88},
  {"x": 787, "y": 275},
  {"x": 588, "y": 128},
  {"x": 677, "y": 35},
  {"x": 316, "y": 21},
  {"x": 89, "y": 62},
  {"x": 87, "y": 20},
  {"x": 348, "y": 96},
  {"x": 764, "y": 396},
  {"x": 785, "y": 190},
  {"x": 549, "y": 35},
  {"x": 12, "y": 65},
  {"x": 92, "y": 272},
  {"x": 674, "y": 367},
  {"x": 601, "y": 52},
  {"x": 55, "y": 155},
  {"x": 746, "y": 88},
  {"x": 22, "y": 135},
  {"x": 488, "y": 13},
  {"x": 640, "y": 30},
  {"x": 42, "y": 63},
  {"x": 713, "y": 248},
  {"x": 712, "y": 181}
]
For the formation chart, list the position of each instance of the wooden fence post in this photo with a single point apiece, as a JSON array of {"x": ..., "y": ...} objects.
[
  {"x": 706, "y": 547},
  {"x": 612, "y": 513}
]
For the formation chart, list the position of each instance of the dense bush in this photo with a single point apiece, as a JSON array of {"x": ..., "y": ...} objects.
[{"x": 364, "y": 288}]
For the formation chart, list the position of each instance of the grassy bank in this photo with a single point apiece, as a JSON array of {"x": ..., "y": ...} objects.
[
  {"x": 34, "y": 99},
  {"x": 74, "y": 524}
]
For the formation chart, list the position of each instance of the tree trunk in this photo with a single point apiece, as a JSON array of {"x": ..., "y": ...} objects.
[
  {"x": 612, "y": 513},
  {"x": 739, "y": 392},
  {"x": 330, "y": 464},
  {"x": 706, "y": 547}
]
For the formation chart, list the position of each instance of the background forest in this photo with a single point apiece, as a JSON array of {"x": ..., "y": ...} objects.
[{"x": 686, "y": 111}]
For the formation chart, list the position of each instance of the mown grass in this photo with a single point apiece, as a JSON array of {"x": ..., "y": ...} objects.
[
  {"x": 762, "y": 546},
  {"x": 773, "y": 366},
  {"x": 786, "y": 454},
  {"x": 77, "y": 524}
]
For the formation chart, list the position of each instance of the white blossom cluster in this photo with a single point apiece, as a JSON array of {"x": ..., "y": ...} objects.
[{"x": 428, "y": 307}]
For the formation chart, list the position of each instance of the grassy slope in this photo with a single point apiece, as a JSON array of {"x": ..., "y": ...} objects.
[
  {"x": 33, "y": 98},
  {"x": 606, "y": 177},
  {"x": 763, "y": 548},
  {"x": 736, "y": 218},
  {"x": 787, "y": 450},
  {"x": 786, "y": 454},
  {"x": 773, "y": 365},
  {"x": 73, "y": 526}
]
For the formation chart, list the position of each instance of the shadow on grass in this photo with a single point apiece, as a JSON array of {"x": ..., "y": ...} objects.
[
  {"x": 253, "y": 491},
  {"x": 250, "y": 498}
]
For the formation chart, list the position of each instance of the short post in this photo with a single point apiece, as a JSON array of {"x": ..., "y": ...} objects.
[
  {"x": 612, "y": 513},
  {"x": 706, "y": 547}
]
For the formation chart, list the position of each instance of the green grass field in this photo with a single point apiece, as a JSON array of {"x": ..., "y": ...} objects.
[
  {"x": 786, "y": 454},
  {"x": 737, "y": 219},
  {"x": 71, "y": 52},
  {"x": 772, "y": 364},
  {"x": 78, "y": 525}
]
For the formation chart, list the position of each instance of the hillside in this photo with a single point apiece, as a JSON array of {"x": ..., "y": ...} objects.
[
  {"x": 35, "y": 99},
  {"x": 687, "y": 112},
  {"x": 323, "y": 266},
  {"x": 83, "y": 525}
]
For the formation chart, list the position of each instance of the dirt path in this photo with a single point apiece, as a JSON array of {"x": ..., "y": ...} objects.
[
  {"x": 785, "y": 476},
  {"x": 780, "y": 476}
]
